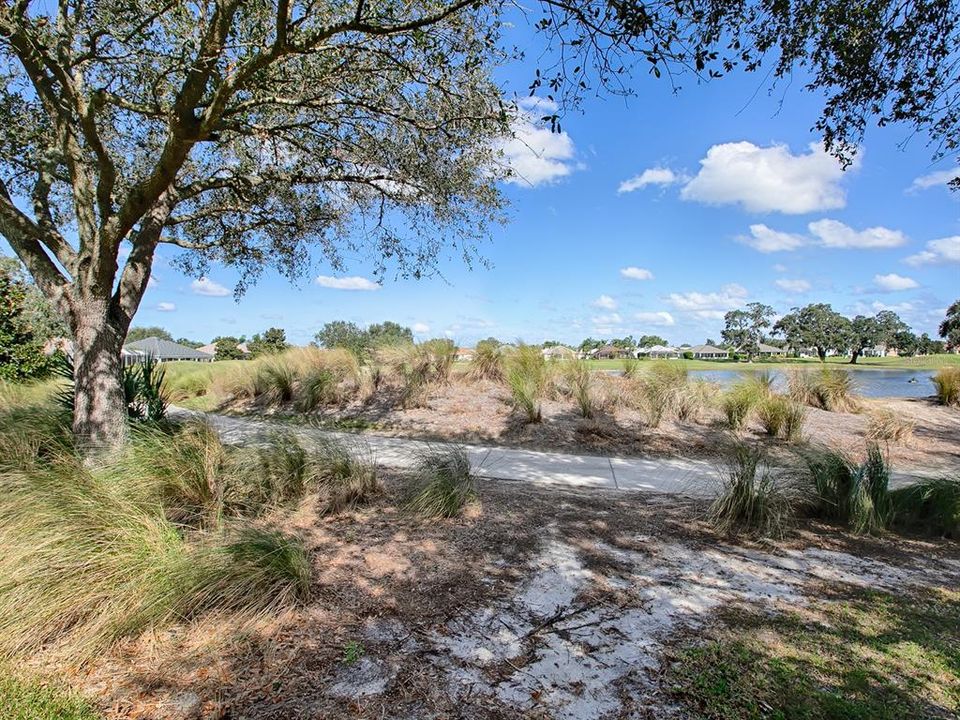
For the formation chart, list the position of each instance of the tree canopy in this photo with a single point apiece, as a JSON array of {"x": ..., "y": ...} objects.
[
  {"x": 21, "y": 349},
  {"x": 744, "y": 329},
  {"x": 950, "y": 327},
  {"x": 273, "y": 340},
  {"x": 362, "y": 341},
  {"x": 141, "y": 333},
  {"x": 816, "y": 326}
]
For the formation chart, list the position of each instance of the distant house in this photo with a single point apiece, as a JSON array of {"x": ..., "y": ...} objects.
[
  {"x": 770, "y": 350},
  {"x": 65, "y": 346},
  {"x": 558, "y": 352},
  {"x": 611, "y": 352},
  {"x": 464, "y": 354},
  {"x": 166, "y": 351},
  {"x": 211, "y": 349},
  {"x": 708, "y": 352},
  {"x": 657, "y": 352}
]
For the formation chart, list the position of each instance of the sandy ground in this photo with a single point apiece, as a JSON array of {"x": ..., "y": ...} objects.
[
  {"x": 539, "y": 603},
  {"x": 482, "y": 413}
]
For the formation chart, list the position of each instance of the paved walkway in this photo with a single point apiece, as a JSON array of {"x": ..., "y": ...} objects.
[{"x": 695, "y": 478}]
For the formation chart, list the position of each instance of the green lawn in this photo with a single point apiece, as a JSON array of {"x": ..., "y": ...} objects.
[
  {"x": 861, "y": 656},
  {"x": 928, "y": 362},
  {"x": 31, "y": 700}
]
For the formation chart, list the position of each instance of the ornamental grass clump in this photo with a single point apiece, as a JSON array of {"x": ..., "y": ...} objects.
[
  {"x": 886, "y": 426},
  {"x": 444, "y": 483},
  {"x": 930, "y": 507},
  {"x": 781, "y": 417},
  {"x": 579, "y": 380},
  {"x": 487, "y": 362},
  {"x": 527, "y": 378},
  {"x": 660, "y": 388},
  {"x": 828, "y": 388},
  {"x": 347, "y": 477},
  {"x": 95, "y": 554},
  {"x": 947, "y": 385},
  {"x": 752, "y": 499}
]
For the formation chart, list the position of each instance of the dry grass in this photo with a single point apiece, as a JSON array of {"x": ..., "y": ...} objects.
[
  {"x": 947, "y": 384},
  {"x": 828, "y": 388},
  {"x": 886, "y": 426}
]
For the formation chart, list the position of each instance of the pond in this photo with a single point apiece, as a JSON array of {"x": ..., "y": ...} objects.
[{"x": 870, "y": 383}]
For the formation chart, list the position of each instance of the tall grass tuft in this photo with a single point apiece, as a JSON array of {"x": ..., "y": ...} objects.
[
  {"x": 347, "y": 477},
  {"x": 849, "y": 491},
  {"x": 931, "y": 507},
  {"x": 527, "y": 377},
  {"x": 947, "y": 384},
  {"x": 739, "y": 402},
  {"x": 487, "y": 362},
  {"x": 660, "y": 388},
  {"x": 87, "y": 562},
  {"x": 410, "y": 366},
  {"x": 631, "y": 366},
  {"x": 828, "y": 388},
  {"x": 444, "y": 483},
  {"x": 781, "y": 417},
  {"x": 441, "y": 352},
  {"x": 886, "y": 426},
  {"x": 579, "y": 377},
  {"x": 751, "y": 499}
]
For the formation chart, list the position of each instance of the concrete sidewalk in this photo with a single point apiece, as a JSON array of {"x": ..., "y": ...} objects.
[
  {"x": 669, "y": 475},
  {"x": 694, "y": 478}
]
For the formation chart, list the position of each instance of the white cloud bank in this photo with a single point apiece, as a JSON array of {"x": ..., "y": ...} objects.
[
  {"x": 166, "y": 307},
  {"x": 834, "y": 234},
  {"x": 938, "y": 252},
  {"x": 709, "y": 305},
  {"x": 767, "y": 240},
  {"x": 535, "y": 154},
  {"x": 893, "y": 282},
  {"x": 346, "y": 283},
  {"x": 605, "y": 302},
  {"x": 768, "y": 179},
  {"x": 794, "y": 287},
  {"x": 206, "y": 286},
  {"x": 657, "y": 319},
  {"x": 651, "y": 176},
  {"x": 940, "y": 178},
  {"x": 420, "y": 328},
  {"x": 636, "y": 273}
]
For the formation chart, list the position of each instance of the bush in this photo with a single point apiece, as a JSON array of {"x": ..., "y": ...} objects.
[
  {"x": 931, "y": 507},
  {"x": 87, "y": 561},
  {"x": 751, "y": 498},
  {"x": 947, "y": 384},
  {"x": 884, "y": 425},
  {"x": 738, "y": 403},
  {"x": 444, "y": 483},
  {"x": 487, "y": 362},
  {"x": 828, "y": 388},
  {"x": 143, "y": 383},
  {"x": 527, "y": 378},
  {"x": 781, "y": 417},
  {"x": 347, "y": 478},
  {"x": 851, "y": 492},
  {"x": 660, "y": 389}
]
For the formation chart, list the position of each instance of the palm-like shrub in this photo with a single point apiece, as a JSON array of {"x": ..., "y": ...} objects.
[
  {"x": 931, "y": 507},
  {"x": 947, "y": 384}
]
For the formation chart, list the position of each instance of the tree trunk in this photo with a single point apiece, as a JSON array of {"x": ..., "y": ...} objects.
[
  {"x": 822, "y": 354},
  {"x": 853, "y": 357},
  {"x": 100, "y": 408}
]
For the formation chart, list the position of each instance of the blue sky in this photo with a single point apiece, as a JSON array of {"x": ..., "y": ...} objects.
[{"x": 654, "y": 214}]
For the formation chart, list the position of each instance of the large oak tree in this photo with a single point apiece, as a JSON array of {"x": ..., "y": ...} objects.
[{"x": 249, "y": 132}]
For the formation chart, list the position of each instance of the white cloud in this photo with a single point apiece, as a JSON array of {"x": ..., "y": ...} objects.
[
  {"x": 659, "y": 319},
  {"x": 535, "y": 154},
  {"x": 636, "y": 273},
  {"x": 346, "y": 283},
  {"x": 650, "y": 176},
  {"x": 793, "y": 286},
  {"x": 893, "y": 282},
  {"x": 605, "y": 302},
  {"x": 939, "y": 178},
  {"x": 206, "y": 286},
  {"x": 729, "y": 297},
  {"x": 766, "y": 240},
  {"x": 780, "y": 267},
  {"x": 420, "y": 328},
  {"x": 768, "y": 179},
  {"x": 710, "y": 314},
  {"x": 944, "y": 250},
  {"x": 606, "y": 320},
  {"x": 166, "y": 307},
  {"x": 834, "y": 234}
]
